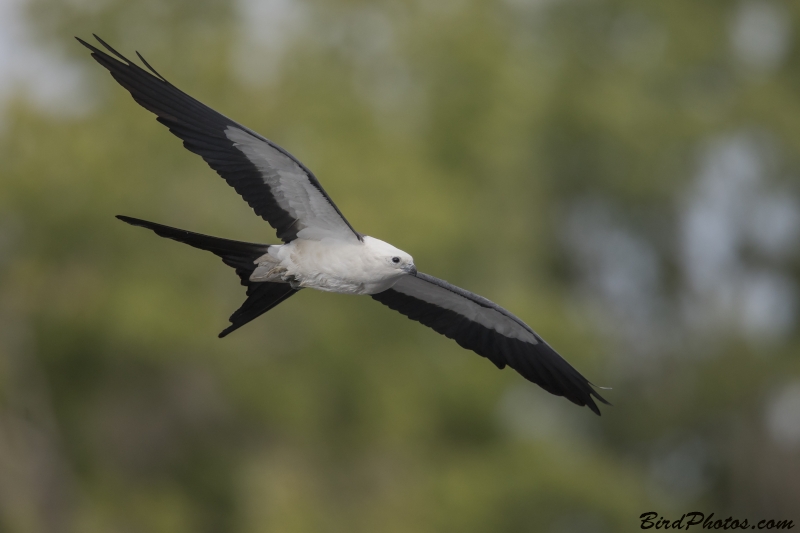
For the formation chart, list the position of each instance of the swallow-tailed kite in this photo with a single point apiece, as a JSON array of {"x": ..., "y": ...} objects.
[{"x": 320, "y": 249}]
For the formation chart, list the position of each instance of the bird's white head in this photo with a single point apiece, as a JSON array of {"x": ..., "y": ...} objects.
[{"x": 391, "y": 262}]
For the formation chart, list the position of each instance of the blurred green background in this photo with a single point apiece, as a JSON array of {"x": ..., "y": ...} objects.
[{"x": 622, "y": 175}]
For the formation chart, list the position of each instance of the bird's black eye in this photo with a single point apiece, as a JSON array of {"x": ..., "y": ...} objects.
[{"x": 395, "y": 260}]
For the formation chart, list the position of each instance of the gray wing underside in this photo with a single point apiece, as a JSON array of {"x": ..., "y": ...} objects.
[
  {"x": 275, "y": 184},
  {"x": 489, "y": 330}
]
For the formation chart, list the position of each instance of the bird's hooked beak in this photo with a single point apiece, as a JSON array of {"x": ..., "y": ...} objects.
[{"x": 411, "y": 269}]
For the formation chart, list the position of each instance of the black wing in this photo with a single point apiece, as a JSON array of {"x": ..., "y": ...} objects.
[
  {"x": 277, "y": 186},
  {"x": 489, "y": 330}
]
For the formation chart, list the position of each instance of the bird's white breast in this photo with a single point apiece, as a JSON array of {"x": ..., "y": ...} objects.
[{"x": 336, "y": 266}]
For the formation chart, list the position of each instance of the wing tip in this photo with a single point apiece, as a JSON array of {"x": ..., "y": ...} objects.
[
  {"x": 84, "y": 43},
  {"x": 589, "y": 400},
  {"x": 137, "y": 222},
  {"x": 154, "y": 71},
  {"x": 97, "y": 52},
  {"x": 111, "y": 49}
]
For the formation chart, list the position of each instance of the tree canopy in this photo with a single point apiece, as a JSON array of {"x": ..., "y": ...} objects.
[{"x": 621, "y": 175}]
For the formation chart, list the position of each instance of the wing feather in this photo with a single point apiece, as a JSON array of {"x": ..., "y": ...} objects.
[
  {"x": 484, "y": 327},
  {"x": 274, "y": 183}
]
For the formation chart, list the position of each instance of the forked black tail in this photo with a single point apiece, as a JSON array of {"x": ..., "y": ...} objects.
[{"x": 261, "y": 296}]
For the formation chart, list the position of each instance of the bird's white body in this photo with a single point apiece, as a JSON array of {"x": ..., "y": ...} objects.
[
  {"x": 361, "y": 267},
  {"x": 322, "y": 250}
]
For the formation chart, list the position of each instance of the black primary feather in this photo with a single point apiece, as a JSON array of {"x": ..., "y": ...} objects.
[
  {"x": 538, "y": 363},
  {"x": 202, "y": 131}
]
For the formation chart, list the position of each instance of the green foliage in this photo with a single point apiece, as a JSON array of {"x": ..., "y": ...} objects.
[{"x": 467, "y": 132}]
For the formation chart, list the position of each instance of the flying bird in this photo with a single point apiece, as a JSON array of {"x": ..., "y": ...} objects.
[{"x": 320, "y": 249}]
